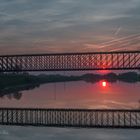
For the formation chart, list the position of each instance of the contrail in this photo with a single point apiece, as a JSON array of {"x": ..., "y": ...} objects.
[
  {"x": 117, "y": 49},
  {"x": 124, "y": 46},
  {"x": 117, "y": 31},
  {"x": 120, "y": 49},
  {"x": 123, "y": 39}
]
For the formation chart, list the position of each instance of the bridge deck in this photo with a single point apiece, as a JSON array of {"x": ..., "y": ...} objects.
[{"x": 71, "y": 117}]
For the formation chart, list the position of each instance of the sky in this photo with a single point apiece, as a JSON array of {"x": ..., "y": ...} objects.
[{"x": 48, "y": 26}]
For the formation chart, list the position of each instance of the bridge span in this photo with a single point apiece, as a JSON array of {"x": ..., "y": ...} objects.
[
  {"x": 71, "y": 61},
  {"x": 92, "y": 118}
]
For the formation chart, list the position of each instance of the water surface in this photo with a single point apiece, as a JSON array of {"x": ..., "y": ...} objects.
[{"x": 78, "y": 94}]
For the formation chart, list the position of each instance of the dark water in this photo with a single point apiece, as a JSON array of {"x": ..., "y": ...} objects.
[{"x": 77, "y": 95}]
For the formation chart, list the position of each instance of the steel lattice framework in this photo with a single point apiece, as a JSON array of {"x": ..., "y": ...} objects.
[
  {"x": 71, "y": 61},
  {"x": 71, "y": 117}
]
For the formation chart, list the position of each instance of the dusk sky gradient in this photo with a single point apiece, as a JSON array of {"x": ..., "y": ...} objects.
[{"x": 46, "y": 26}]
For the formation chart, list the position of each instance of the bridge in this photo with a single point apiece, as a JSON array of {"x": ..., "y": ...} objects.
[
  {"x": 71, "y": 61},
  {"x": 98, "y": 118}
]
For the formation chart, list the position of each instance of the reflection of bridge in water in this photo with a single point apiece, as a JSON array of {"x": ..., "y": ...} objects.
[
  {"x": 71, "y": 61},
  {"x": 71, "y": 117}
]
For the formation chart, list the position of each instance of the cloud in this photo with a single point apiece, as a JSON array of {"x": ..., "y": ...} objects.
[{"x": 24, "y": 22}]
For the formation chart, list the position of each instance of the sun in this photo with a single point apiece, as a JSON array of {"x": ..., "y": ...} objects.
[{"x": 104, "y": 84}]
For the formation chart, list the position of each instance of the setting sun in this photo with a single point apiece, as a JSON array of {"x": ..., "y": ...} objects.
[{"x": 104, "y": 84}]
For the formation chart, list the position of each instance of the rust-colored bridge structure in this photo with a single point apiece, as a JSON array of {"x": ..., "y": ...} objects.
[
  {"x": 71, "y": 61},
  {"x": 97, "y": 118}
]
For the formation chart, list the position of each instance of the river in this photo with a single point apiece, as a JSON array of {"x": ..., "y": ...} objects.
[{"x": 78, "y": 94}]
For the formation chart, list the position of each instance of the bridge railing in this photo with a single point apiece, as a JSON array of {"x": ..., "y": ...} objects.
[{"x": 71, "y": 117}]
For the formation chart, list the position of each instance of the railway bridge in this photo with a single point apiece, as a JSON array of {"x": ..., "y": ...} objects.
[
  {"x": 99, "y": 118},
  {"x": 71, "y": 61}
]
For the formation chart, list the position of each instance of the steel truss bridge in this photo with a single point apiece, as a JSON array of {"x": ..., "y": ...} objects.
[
  {"x": 71, "y": 117},
  {"x": 98, "y": 118},
  {"x": 71, "y": 61}
]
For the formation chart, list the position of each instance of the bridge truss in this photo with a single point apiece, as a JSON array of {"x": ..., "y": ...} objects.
[
  {"x": 71, "y": 61},
  {"x": 71, "y": 117}
]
